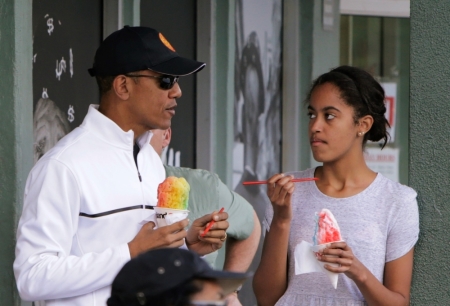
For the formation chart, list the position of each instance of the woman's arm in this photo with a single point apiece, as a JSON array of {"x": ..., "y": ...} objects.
[
  {"x": 394, "y": 291},
  {"x": 270, "y": 280},
  {"x": 397, "y": 283}
]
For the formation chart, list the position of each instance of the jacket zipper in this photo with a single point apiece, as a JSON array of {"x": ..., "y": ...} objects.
[
  {"x": 140, "y": 177},
  {"x": 140, "y": 180}
]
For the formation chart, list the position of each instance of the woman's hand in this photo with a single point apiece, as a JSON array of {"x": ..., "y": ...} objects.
[
  {"x": 396, "y": 285},
  {"x": 279, "y": 191},
  {"x": 342, "y": 255}
]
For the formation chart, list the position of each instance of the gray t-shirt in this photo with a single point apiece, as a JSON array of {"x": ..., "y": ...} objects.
[{"x": 380, "y": 224}]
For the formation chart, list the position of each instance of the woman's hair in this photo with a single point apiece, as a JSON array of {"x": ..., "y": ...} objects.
[{"x": 362, "y": 92}]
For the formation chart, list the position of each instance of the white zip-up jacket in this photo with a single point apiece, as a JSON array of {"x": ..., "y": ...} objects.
[{"x": 84, "y": 201}]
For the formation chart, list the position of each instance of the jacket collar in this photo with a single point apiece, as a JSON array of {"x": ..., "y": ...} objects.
[{"x": 107, "y": 130}]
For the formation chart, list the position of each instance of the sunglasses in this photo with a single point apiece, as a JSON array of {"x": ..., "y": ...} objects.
[{"x": 165, "y": 81}]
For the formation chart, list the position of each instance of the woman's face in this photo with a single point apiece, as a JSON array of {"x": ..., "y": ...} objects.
[{"x": 332, "y": 129}]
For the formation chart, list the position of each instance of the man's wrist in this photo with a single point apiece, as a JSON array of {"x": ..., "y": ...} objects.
[{"x": 133, "y": 252}]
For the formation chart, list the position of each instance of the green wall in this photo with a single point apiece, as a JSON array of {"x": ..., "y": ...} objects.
[
  {"x": 16, "y": 139},
  {"x": 224, "y": 89},
  {"x": 306, "y": 76},
  {"x": 319, "y": 53},
  {"x": 326, "y": 43},
  {"x": 429, "y": 148}
]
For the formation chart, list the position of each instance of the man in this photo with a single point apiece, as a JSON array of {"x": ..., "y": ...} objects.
[
  {"x": 174, "y": 277},
  {"x": 209, "y": 193},
  {"x": 86, "y": 198}
]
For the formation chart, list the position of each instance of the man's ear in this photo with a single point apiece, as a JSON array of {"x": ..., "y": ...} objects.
[
  {"x": 167, "y": 136},
  {"x": 120, "y": 87}
]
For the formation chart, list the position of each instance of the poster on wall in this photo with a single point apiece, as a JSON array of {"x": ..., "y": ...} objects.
[
  {"x": 384, "y": 161},
  {"x": 66, "y": 35},
  {"x": 390, "y": 90},
  {"x": 257, "y": 108}
]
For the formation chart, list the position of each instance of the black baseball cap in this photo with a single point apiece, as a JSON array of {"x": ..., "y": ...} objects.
[
  {"x": 139, "y": 48},
  {"x": 158, "y": 271}
]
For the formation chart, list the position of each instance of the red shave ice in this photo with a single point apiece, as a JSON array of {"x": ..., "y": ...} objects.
[{"x": 327, "y": 230}]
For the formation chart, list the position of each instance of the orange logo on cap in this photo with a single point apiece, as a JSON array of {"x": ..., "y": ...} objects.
[{"x": 165, "y": 42}]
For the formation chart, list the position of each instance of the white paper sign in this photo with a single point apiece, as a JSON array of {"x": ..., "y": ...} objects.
[{"x": 384, "y": 161}]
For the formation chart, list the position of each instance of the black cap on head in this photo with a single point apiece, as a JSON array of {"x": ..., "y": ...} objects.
[
  {"x": 139, "y": 48},
  {"x": 158, "y": 271}
]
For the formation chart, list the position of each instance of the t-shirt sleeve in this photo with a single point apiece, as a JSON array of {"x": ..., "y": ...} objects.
[
  {"x": 404, "y": 232},
  {"x": 240, "y": 212}
]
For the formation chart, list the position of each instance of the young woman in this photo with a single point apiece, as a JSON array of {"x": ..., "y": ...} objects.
[{"x": 378, "y": 218}]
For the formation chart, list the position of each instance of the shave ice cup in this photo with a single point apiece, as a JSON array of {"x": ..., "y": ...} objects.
[{"x": 168, "y": 216}]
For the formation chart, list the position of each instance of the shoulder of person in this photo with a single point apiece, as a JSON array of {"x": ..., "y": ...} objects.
[
  {"x": 65, "y": 151},
  {"x": 396, "y": 189},
  {"x": 193, "y": 176}
]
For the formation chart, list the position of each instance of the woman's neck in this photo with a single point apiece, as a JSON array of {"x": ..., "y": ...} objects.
[{"x": 344, "y": 178}]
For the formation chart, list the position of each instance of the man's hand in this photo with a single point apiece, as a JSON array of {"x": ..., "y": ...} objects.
[
  {"x": 170, "y": 236},
  {"x": 213, "y": 239}
]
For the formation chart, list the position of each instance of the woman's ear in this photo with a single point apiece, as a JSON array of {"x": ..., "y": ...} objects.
[
  {"x": 365, "y": 124},
  {"x": 120, "y": 87}
]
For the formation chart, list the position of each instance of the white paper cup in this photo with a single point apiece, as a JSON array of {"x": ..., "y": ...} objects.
[
  {"x": 168, "y": 216},
  {"x": 331, "y": 275}
]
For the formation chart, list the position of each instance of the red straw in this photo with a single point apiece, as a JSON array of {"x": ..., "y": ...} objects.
[
  {"x": 211, "y": 223},
  {"x": 297, "y": 180}
]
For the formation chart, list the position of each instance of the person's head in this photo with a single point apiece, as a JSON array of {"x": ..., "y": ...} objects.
[
  {"x": 252, "y": 85},
  {"x": 137, "y": 69},
  {"x": 346, "y": 107},
  {"x": 160, "y": 139},
  {"x": 171, "y": 276}
]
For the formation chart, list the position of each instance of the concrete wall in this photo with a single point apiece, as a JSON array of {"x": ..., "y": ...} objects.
[
  {"x": 215, "y": 87},
  {"x": 430, "y": 148},
  {"x": 16, "y": 138}
]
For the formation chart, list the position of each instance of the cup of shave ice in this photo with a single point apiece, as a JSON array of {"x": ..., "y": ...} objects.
[
  {"x": 173, "y": 197},
  {"x": 326, "y": 231}
]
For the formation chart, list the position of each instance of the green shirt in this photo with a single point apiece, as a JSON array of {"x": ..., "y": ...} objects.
[{"x": 208, "y": 193}]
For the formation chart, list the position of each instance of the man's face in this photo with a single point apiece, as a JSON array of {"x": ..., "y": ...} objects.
[
  {"x": 211, "y": 291},
  {"x": 251, "y": 96},
  {"x": 150, "y": 106},
  {"x": 251, "y": 115}
]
